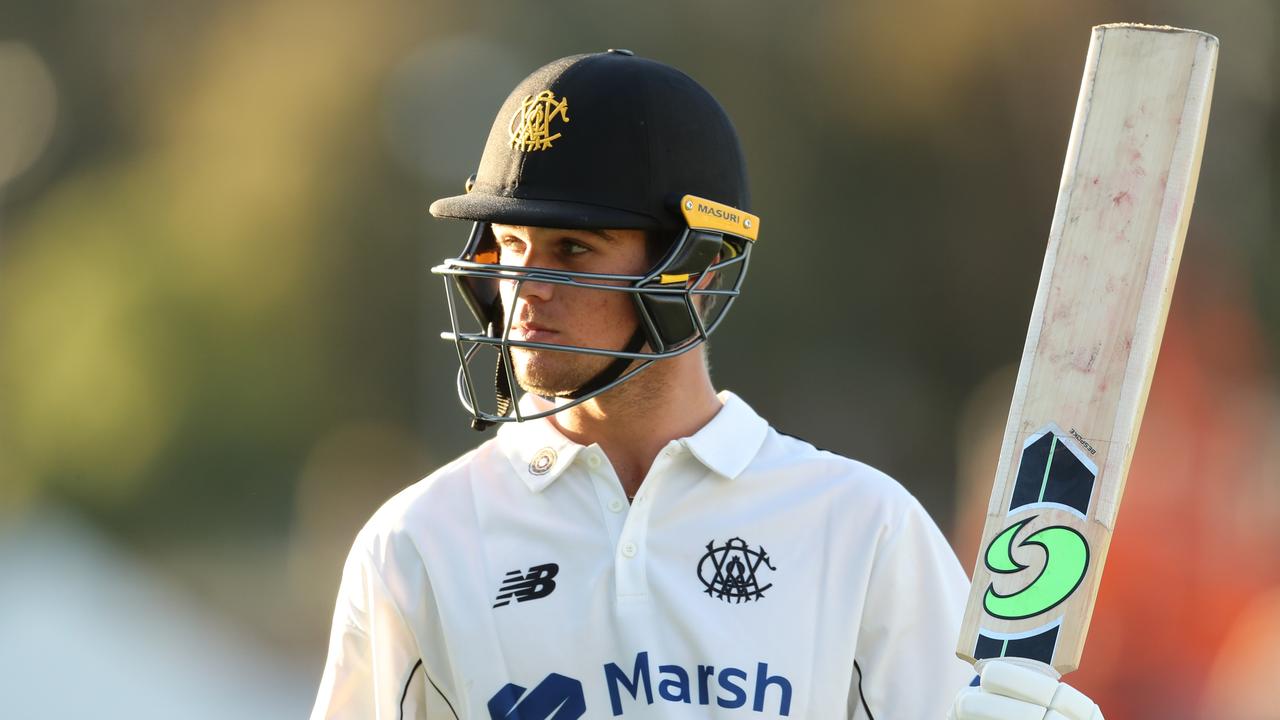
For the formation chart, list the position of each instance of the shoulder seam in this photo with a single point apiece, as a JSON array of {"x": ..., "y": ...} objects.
[{"x": 806, "y": 442}]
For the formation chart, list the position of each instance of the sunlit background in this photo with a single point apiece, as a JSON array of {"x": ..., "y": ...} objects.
[{"x": 218, "y": 332}]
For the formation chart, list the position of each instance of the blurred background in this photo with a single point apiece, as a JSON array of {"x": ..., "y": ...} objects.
[{"x": 218, "y": 332}]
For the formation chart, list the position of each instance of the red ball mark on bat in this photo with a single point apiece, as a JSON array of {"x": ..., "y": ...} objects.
[
  {"x": 1128, "y": 123},
  {"x": 1121, "y": 197},
  {"x": 1082, "y": 363},
  {"x": 1164, "y": 179},
  {"x": 1135, "y": 161},
  {"x": 1095, "y": 180}
]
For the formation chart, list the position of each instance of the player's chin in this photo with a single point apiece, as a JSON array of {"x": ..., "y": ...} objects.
[{"x": 552, "y": 373}]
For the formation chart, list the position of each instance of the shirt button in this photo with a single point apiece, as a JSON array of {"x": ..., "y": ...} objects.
[
  {"x": 615, "y": 505},
  {"x": 629, "y": 549},
  {"x": 593, "y": 461}
]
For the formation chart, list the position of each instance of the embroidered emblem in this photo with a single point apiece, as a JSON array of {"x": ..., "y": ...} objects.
[
  {"x": 522, "y": 586},
  {"x": 531, "y": 124},
  {"x": 729, "y": 572},
  {"x": 542, "y": 462}
]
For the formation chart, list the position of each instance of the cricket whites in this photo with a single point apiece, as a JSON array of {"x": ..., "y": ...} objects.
[{"x": 1114, "y": 246}]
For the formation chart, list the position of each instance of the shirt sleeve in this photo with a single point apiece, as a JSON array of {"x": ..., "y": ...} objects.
[
  {"x": 375, "y": 668},
  {"x": 905, "y": 663}
]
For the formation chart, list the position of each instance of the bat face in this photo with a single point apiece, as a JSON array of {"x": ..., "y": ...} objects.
[{"x": 1113, "y": 252}]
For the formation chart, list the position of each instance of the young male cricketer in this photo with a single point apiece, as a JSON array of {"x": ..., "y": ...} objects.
[{"x": 639, "y": 545}]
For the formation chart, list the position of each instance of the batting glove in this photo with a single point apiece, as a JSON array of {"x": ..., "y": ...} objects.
[{"x": 1011, "y": 692}]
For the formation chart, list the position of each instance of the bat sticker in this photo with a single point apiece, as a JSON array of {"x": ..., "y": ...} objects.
[
  {"x": 1052, "y": 471},
  {"x": 1065, "y": 563},
  {"x": 1037, "y": 644}
]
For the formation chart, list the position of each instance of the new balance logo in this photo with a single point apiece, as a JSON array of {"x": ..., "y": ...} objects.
[
  {"x": 556, "y": 698},
  {"x": 521, "y": 586}
]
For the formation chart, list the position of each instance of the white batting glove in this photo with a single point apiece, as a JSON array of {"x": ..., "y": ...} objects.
[{"x": 1011, "y": 692}]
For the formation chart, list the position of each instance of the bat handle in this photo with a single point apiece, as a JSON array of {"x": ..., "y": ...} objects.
[{"x": 1024, "y": 662}]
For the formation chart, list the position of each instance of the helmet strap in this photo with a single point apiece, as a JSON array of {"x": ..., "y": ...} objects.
[{"x": 501, "y": 388}]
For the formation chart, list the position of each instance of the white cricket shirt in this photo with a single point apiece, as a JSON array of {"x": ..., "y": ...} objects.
[{"x": 753, "y": 577}]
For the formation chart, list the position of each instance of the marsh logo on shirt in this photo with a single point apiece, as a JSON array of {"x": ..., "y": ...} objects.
[
  {"x": 639, "y": 684},
  {"x": 520, "y": 586},
  {"x": 555, "y": 698},
  {"x": 728, "y": 687}
]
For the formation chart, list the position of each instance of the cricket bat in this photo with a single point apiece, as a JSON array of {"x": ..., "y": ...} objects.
[{"x": 1114, "y": 245}]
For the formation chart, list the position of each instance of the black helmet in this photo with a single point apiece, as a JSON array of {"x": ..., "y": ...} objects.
[{"x": 604, "y": 141}]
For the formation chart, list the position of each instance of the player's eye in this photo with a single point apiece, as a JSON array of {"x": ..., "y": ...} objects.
[
  {"x": 569, "y": 246},
  {"x": 511, "y": 244}
]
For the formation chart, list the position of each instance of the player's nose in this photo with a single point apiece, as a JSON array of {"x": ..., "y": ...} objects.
[
  {"x": 531, "y": 288},
  {"x": 532, "y": 284}
]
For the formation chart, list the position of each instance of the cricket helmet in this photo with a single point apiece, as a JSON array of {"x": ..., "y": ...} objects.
[{"x": 601, "y": 141}]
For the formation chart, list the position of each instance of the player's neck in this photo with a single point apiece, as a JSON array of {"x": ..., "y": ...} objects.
[{"x": 633, "y": 422}]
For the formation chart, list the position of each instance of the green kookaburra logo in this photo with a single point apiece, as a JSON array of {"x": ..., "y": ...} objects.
[{"x": 1066, "y": 560}]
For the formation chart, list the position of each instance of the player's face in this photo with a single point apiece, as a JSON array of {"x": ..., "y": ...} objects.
[{"x": 564, "y": 315}]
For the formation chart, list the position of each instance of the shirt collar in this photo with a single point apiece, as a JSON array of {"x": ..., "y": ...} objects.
[
  {"x": 539, "y": 453},
  {"x": 729, "y": 443},
  {"x": 536, "y": 449}
]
